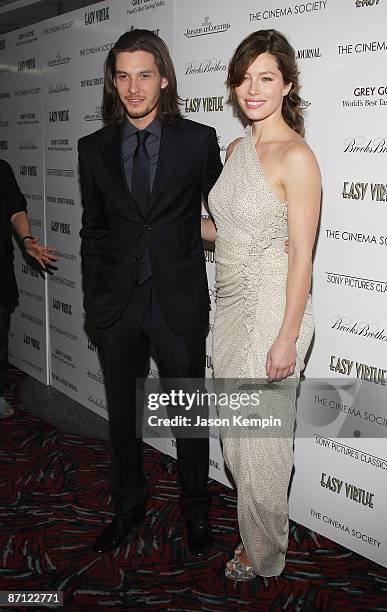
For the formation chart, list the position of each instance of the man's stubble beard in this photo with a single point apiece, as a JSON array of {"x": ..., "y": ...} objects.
[{"x": 140, "y": 114}]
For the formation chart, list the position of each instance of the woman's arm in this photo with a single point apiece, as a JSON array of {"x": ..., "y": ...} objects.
[
  {"x": 43, "y": 254},
  {"x": 208, "y": 228},
  {"x": 302, "y": 182}
]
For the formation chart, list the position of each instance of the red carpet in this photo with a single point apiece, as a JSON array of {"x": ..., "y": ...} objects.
[{"x": 54, "y": 499}]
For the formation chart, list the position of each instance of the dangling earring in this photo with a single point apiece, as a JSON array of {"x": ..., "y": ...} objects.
[{"x": 291, "y": 97}]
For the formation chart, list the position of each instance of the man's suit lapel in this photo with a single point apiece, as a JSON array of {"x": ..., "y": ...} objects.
[
  {"x": 111, "y": 153},
  {"x": 168, "y": 156}
]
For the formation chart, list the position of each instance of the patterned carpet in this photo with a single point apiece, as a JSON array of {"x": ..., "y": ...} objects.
[{"x": 54, "y": 499}]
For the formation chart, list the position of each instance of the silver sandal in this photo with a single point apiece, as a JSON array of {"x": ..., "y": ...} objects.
[{"x": 239, "y": 572}]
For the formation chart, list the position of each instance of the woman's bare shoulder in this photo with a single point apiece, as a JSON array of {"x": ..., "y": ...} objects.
[
  {"x": 232, "y": 146},
  {"x": 298, "y": 151}
]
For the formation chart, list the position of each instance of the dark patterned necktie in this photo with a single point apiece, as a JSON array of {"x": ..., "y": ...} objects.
[{"x": 140, "y": 173}]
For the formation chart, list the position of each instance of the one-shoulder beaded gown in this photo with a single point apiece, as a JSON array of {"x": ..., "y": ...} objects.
[{"x": 251, "y": 273}]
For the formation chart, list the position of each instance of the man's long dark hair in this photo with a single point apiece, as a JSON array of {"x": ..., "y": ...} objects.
[{"x": 113, "y": 111}]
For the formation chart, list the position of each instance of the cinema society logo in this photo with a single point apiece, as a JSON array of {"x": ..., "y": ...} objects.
[
  {"x": 297, "y": 9},
  {"x": 358, "y": 191},
  {"x": 353, "y": 493},
  {"x": 374, "y": 46},
  {"x": 103, "y": 48},
  {"x": 3, "y": 145},
  {"x": 97, "y": 16},
  {"x": 358, "y": 237},
  {"x": 31, "y": 91},
  {"x": 57, "y": 27},
  {"x": 205, "y": 66},
  {"x": 366, "y": 330},
  {"x": 62, "y": 281},
  {"x": 203, "y": 105},
  {"x": 207, "y": 27},
  {"x": 58, "y": 60}
]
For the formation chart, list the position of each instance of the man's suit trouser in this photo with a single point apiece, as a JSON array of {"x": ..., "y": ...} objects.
[
  {"x": 5, "y": 318},
  {"x": 124, "y": 351}
]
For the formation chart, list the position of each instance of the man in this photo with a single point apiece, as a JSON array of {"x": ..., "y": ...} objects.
[
  {"x": 13, "y": 215},
  {"x": 142, "y": 179}
]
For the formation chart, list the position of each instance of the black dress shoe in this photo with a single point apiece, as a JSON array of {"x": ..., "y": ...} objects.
[
  {"x": 119, "y": 530},
  {"x": 200, "y": 538}
]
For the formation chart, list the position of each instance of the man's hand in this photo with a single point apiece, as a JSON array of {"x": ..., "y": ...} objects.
[
  {"x": 287, "y": 246},
  {"x": 42, "y": 254}
]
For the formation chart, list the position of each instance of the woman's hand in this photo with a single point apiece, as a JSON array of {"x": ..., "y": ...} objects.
[
  {"x": 42, "y": 254},
  {"x": 281, "y": 359}
]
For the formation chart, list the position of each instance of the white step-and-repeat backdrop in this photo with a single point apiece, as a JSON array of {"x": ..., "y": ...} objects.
[{"x": 50, "y": 95}]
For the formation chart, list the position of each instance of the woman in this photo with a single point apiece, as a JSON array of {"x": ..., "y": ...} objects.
[
  {"x": 13, "y": 216},
  {"x": 269, "y": 189}
]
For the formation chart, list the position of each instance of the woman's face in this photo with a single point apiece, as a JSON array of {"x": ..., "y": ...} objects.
[{"x": 262, "y": 90}]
